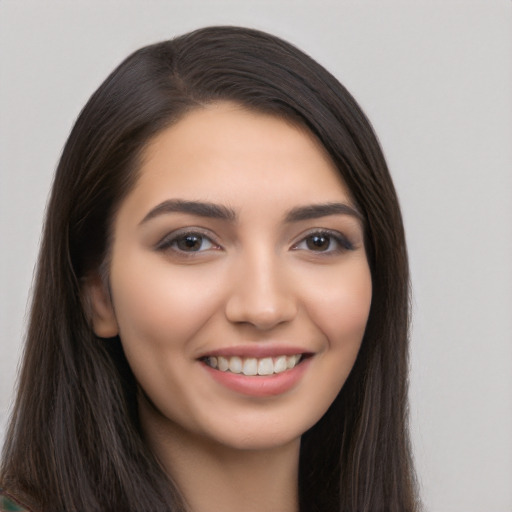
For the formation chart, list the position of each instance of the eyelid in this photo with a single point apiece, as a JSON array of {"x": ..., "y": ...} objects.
[
  {"x": 170, "y": 238},
  {"x": 343, "y": 241}
]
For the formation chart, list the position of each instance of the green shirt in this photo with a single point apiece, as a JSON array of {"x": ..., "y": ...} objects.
[{"x": 8, "y": 504}]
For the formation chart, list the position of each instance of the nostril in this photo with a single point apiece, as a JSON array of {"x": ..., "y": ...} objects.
[
  {"x": 262, "y": 312},
  {"x": 260, "y": 295},
  {"x": 259, "y": 317}
]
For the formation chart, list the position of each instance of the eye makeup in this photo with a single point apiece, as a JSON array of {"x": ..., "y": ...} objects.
[
  {"x": 188, "y": 241},
  {"x": 324, "y": 241}
]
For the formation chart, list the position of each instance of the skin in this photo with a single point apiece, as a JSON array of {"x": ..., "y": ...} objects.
[{"x": 255, "y": 279}]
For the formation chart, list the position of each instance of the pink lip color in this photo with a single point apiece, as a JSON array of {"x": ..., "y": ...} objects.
[
  {"x": 260, "y": 386},
  {"x": 255, "y": 350}
]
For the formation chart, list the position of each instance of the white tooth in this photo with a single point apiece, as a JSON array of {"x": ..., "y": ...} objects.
[
  {"x": 212, "y": 361},
  {"x": 222, "y": 364},
  {"x": 290, "y": 362},
  {"x": 298, "y": 357},
  {"x": 280, "y": 364},
  {"x": 235, "y": 365},
  {"x": 266, "y": 366},
  {"x": 250, "y": 366}
]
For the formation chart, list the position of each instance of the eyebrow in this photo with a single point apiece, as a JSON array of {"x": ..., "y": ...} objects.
[
  {"x": 316, "y": 211},
  {"x": 216, "y": 211},
  {"x": 200, "y": 208}
]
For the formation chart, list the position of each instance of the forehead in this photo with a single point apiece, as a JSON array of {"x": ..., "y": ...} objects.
[{"x": 224, "y": 152}]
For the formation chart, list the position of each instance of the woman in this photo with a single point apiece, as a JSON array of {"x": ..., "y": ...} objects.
[{"x": 220, "y": 314}]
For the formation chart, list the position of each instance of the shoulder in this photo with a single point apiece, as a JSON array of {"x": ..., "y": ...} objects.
[{"x": 9, "y": 504}]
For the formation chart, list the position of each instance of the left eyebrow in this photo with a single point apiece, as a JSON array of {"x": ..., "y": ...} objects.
[
  {"x": 200, "y": 208},
  {"x": 315, "y": 211}
]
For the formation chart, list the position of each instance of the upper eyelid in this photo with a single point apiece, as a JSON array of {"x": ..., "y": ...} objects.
[
  {"x": 342, "y": 238},
  {"x": 173, "y": 235},
  {"x": 215, "y": 239},
  {"x": 319, "y": 230}
]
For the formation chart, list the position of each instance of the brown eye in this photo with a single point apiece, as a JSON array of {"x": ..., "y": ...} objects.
[
  {"x": 189, "y": 243},
  {"x": 318, "y": 242},
  {"x": 324, "y": 242}
]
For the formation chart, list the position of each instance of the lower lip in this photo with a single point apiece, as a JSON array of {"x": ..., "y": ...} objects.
[{"x": 260, "y": 385}]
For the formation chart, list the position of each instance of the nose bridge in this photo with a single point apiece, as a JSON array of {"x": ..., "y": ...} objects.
[{"x": 261, "y": 293}]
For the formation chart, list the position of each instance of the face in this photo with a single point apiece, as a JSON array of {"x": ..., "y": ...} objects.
[{"x": 239, "y": 284}]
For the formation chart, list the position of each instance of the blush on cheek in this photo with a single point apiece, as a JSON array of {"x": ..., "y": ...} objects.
[
  {"x": 343, "y": 315},
  {"x": 162, "y": 305}
]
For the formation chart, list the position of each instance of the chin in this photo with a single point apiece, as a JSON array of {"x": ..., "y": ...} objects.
[{"x": 263, "y": 435}]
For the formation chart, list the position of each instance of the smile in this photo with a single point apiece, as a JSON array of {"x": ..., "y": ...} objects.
[{"x": 252, "y": 366}]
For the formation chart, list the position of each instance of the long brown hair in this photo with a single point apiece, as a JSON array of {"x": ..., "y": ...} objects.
[{"x": 74, "y": 441}]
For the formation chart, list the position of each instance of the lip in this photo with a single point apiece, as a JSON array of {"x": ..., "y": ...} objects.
[
  {"x": 261, "y": 385},
  {"x": 256, "y": 350}
]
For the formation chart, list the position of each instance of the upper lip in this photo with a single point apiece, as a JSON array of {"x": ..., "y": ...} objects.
[{"x": 256, "y": 350}]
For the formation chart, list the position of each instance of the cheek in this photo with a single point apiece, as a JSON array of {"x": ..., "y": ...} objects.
[
  {"x": 159, "y": 304},
  {"x": 339, "y": 309},
  {"x": 340, "y": 305},
  {"x": 160, "y": 309}
]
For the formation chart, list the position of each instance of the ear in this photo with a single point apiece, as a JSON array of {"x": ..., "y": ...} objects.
[{"x": 98, "y": 305}]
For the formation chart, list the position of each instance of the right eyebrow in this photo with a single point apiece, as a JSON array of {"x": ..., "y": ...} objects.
[
  {"x": 200, "y": 208},
  {"x": 315, "y": 211}
]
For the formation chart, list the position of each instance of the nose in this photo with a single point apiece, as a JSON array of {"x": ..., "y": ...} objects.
[{"x": 261, "y": 293}]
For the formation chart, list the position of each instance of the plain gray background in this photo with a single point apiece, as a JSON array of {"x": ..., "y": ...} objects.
[{"x": 435, "y": 78}]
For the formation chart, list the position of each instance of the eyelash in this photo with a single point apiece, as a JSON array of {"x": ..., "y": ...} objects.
[
  {"x": 170, "y": 242},
  {"x": 342, "y": 243}
]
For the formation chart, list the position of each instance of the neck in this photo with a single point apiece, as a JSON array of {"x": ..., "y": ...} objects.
[{"x": 210, "y": 474}]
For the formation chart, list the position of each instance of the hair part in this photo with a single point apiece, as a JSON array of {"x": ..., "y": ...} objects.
[{"x": 74, "y": 441}]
